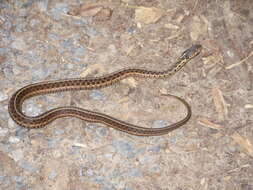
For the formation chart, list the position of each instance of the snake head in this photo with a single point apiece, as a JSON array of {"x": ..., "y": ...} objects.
[{"x": 190, "y": 53}]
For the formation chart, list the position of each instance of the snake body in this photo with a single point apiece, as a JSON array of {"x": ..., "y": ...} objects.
[{"x": 17, "y": 99}]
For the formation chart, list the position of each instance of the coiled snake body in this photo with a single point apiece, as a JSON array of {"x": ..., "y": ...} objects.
[{"x": 17, "y": 99}]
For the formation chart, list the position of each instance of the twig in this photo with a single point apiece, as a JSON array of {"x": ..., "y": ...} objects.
[{"x": 240, "y": 62}]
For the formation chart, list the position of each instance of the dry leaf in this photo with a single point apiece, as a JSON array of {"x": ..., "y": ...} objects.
[
  {"x": 90, "y": 10},
  {"x": 103, "y": 14},
  {"x": 205, "y": 122},
  {"x": 148, "y": 15},
  {"x": 244, "y": 143},
  {"x": 220, "y": 104},
  {"x": 171, "y": 26},
  {"x": 85, "y": 10}
]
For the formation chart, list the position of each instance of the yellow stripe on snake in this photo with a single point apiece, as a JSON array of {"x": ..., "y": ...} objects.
[{"x": 17, "y": 99}]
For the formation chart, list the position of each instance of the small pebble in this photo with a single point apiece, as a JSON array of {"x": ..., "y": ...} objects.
[
  {"x": 145, "y": 159},
  {"x": 102, "y": 131},
  {"x": 13, "y": 139},
  {"x": 131, "y": 30},
  {"x": 155, "y": 149},
  {"x": 11, "y": 123},
  {"x": 17, "y": 70},
  {"x": 128, "y": 188},
  {"x": 75, "y": 59},
  {"x": 135, "y": 172},
  {"x": 98, "y": 179},
  {"x": 52, "y": 143},
  {"x": 53, "y": 175},
  {"x": 8, "y": 72},
  {"x": 19, "y": 182},
  {"x": 60, "y": 8},
  {"x": 53, "y": 37},
  {"x": 59, "y": 131},
  {"x": 2, "y": 178},
  {"x": 43, "y": 5},
  {"x": 97, "y": 95},
  {"x": 3, "y": 96},
  {"x": 21, "y": 26},
  {"x": 34, "y": 23},
  {"x": 124, "y": 148},
  {"x": 79, "y": 22},
  {"x": 17, "y": 155},
  {"x": 3, "y": 131},
  {"x": 92, "y": 32},
  {"x": 32, "y": 110},
  {"x": 41, "y": 72},
  {"x": 18, "y": 178},
  {"x": 159, "y": 124},
  {"x": 19, "y": 44},
  {"x": 78, "y": 52},
  {"x": 89, "y": 157},
  {"x": 21, "y": 132},
  {"x": 155, "y": 169},
  {"x": 90, "y": 172},
  {"x": 108, "y": 187},
  {"x": 20, "y": 186},
  {"x": 28, "y": 166}
]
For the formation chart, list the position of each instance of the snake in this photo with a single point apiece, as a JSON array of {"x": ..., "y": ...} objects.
[{"x": 55, "y": 86}]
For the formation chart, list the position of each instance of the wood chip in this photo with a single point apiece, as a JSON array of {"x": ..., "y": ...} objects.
[
  {"x": 130, "y": 81},
  {"x": 123, "y": 100},
  {"x": 248, "y": 106},
  {"x": 80, "y": 145},
  {"x": 171, "y": 26},
  {"x": 163, "y": 91},
  {"x": 205, "y": 122},
  {"x": 191, "y": 148},
  {"x": 220, "y": 104},
  {"x": 244, "y": 143},
  {"x": 148, "y": 15}
]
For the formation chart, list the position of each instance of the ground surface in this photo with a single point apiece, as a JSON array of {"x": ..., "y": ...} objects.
[{"x": 44, "y": 40}]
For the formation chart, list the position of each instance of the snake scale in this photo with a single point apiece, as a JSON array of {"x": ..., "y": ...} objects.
[{"x": 17, "y": 99}]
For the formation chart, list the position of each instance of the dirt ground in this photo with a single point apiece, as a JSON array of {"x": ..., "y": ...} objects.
[{"x": 44, "y": 40}]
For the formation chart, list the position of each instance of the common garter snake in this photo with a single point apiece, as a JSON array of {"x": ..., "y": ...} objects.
[{"x": 17, "y": 99}]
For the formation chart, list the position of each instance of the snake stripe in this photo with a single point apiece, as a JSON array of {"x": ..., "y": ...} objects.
[{"x": 17, "y": 99}]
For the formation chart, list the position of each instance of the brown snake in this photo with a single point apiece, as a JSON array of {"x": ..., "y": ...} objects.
[{"x": 17, "y": 99}]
